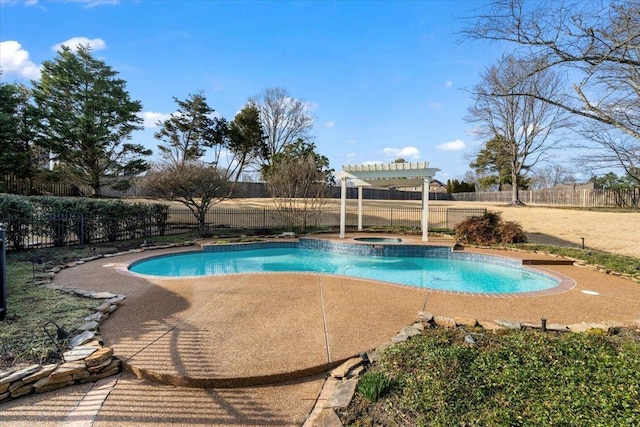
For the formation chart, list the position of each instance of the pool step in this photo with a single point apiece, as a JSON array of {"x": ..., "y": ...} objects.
[{"x": 547, "y": 262}]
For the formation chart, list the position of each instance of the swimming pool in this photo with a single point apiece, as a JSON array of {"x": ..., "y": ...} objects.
[{"x": 481, "y": 273}]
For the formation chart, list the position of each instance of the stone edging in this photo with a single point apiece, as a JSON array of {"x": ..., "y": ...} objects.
[
  {"x": 87, "y": 360},
  {"x": 576, "y": 262},
  {"x": 339, "y": 387}
]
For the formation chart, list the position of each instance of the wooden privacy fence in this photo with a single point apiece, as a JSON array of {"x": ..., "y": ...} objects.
[
  {"x": 608, "y": 198},
  {"x": 44, "y": 230}
]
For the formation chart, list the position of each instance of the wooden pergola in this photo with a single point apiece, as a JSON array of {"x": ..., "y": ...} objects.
[{"x": 386, "y": 175}]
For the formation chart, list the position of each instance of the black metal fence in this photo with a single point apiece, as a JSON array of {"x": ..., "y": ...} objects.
[
  {"x": 3, "y": 273},
  {"x": 44, "y": 230}
]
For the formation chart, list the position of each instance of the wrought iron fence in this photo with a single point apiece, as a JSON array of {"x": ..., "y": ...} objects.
[
  {"x": 3, "y": 273},
  {"x": 45, "y": 230}
]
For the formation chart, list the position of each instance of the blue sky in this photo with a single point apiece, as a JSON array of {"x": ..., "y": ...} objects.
[{"x": 385, "y": 79}]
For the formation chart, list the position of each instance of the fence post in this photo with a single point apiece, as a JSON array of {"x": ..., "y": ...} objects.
[
  {"x": 82, "y": 230},
  {"x": 3, "y": 272}
]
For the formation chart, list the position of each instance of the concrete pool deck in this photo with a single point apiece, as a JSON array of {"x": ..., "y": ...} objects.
[{"x": 244, "y": 330}]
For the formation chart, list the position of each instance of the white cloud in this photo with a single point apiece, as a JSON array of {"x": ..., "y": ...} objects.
[
  {"x": 434, "y": 106},
  {"x": 151, "y": 118},
  {"x": 372, "y": 162},
  {"x": 74, "y": 42},
  {"x": 448, "y": 84},
  {"x": 350, "y": 155},
  {"x": 456, "y": 145},
  {"x": 330, "y": 124},
  {"x": 15, "y": 60},
  {"x": 406, "y": 152},
  {"x": 93, "y": 3}
]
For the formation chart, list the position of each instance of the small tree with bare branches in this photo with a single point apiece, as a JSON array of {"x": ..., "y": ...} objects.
[
  {"x": 297, "y": 180},
  {"x": 196, "y": 185}
]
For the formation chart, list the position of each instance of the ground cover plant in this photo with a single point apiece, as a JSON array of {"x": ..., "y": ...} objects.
[{"x": 525, "y": 378}]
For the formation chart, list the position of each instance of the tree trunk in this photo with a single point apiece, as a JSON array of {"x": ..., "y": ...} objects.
[{"x": 515, "y": 188}]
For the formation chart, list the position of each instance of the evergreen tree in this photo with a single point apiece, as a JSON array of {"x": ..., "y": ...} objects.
[
  {"x": 189, "y": 131},
  {"x": 17, "y": 121},
  {"x": 86, "y": 117}
]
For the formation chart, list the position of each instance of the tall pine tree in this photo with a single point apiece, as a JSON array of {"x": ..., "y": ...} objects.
[{"x": 87, "y": 118}]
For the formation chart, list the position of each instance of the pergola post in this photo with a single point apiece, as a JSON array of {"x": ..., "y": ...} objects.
[
  {"x": 343, "y": 206},
  {"x": 359, "y": 208},
  {"x": 392, "y": 175},
  {"x": 425, "y": 209}
]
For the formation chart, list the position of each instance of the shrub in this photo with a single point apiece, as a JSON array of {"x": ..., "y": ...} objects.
[
  {"x": 373, "y": 385},
  {"x": 489, "y": 229},
  {"x": 16, "y": 213}
]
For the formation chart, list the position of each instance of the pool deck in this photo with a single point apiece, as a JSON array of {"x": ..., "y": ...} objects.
[{"x": 209, "y": 350}]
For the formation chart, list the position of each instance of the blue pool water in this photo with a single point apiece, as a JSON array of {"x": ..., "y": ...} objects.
[{"x": 435, "y": 273}]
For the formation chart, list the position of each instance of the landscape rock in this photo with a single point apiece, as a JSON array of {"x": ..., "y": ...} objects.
[
  {"x": 81, "y": 339},
  {"x": 89, "y": 326},
  {"x": 343, "y": 393},
  {"x": 342, "y": 370},
  {"x": 327, "y": 418},
  {"x": 465, "y": 321},
  {"x": 446, "y": 322},
  {"x": 79, "y": 353},
  {"x": 509, "y": 325}
]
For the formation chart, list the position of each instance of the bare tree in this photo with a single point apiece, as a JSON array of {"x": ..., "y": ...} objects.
[
  {"x": 298, "y": 180},
  {"x": 522, "y": 123},
  {"x": 284, "y": 120},
  {"x": 596, "y": 44},
  {"x": 196, "y": 185},
  {"x": 550, "y": 175}
]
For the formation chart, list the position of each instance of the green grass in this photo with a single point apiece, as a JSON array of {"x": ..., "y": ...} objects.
[
  {"x": 522, "y": 378},
  {"x": 619, "y": 263},
  {"x": 29, "y": 306}
]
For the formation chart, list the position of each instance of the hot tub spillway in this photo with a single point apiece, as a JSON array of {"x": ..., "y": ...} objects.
[{"x": 378, "y": 239}]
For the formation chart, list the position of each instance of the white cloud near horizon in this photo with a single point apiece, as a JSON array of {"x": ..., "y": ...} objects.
[
  {"x": 448, "y": 84},
  {"x": 330, "y": 124},
  {"x": 15, "y": 60},
  {"x": 74, "y": 42},
  {"x": 456, "y": 145},
  {"x": 152, "y": 118},
  {"x": 405, "y": 152}
]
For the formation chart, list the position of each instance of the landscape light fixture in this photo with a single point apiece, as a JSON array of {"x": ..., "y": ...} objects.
[{"x": 61, "y": 335}]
